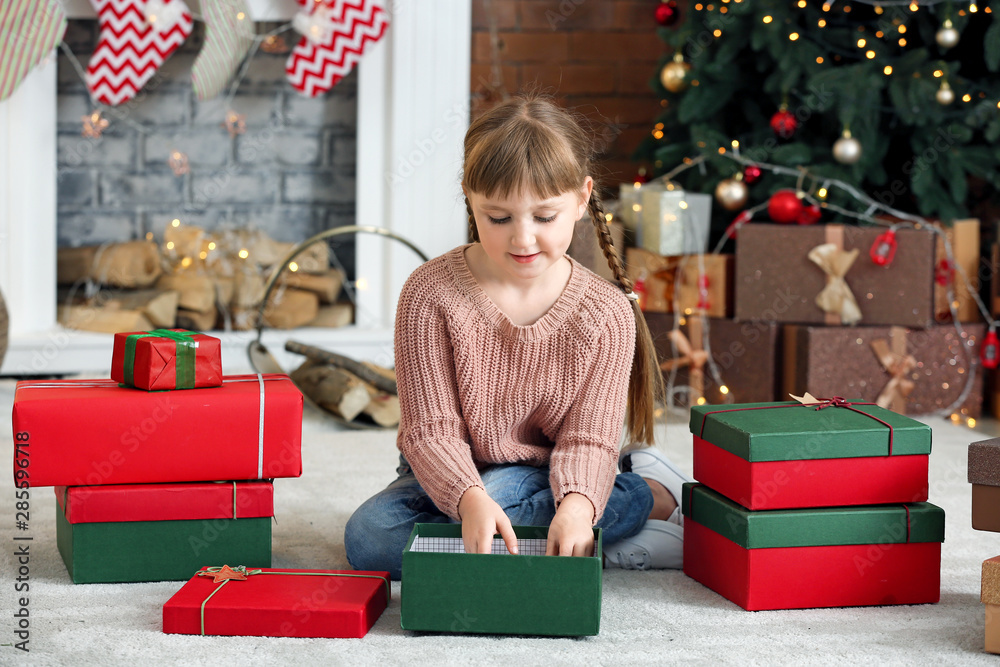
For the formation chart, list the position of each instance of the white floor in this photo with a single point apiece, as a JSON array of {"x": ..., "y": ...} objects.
[{"x": 648, "y": 617}]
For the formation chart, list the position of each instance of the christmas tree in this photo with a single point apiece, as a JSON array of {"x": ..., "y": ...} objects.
[{"x": 899, "y": 100}]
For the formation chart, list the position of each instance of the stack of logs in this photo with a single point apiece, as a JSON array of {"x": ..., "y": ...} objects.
[
  {"x": 197, "y": 281},
  {"x": 347, "y": 388}
]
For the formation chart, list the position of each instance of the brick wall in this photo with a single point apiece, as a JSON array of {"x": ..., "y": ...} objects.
[
  {"x": 594, "y": 55},
  {"x": 291, "y": 174}
]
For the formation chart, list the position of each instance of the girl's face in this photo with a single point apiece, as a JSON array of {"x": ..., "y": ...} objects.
[{"x": 524, "y": 235}]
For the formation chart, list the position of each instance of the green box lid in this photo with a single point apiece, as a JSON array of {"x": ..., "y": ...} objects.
[
  {"x": 790, "y": 431},
  {"x": 822, "y": 526}
]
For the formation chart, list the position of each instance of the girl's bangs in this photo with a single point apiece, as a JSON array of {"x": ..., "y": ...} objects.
[{"x": 521, "y": 159}]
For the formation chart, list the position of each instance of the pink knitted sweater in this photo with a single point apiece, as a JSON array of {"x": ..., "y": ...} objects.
[{"x": 475, "y": 389}]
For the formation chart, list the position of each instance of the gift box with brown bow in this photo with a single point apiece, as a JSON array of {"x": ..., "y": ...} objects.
[
  {"x": 824, "y": 274},
  {"x": 914, "y": 372},
  {"x": 745, "y": 356},
  {"x": 685, "y": 283}
]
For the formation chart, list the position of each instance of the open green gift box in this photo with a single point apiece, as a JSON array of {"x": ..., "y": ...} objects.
[{"x": 445, "y": 589}]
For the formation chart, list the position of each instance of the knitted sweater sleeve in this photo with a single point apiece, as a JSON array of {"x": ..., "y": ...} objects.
[
  {"x": 585, "y": 456},
  {"x": 432, "y": 432}
]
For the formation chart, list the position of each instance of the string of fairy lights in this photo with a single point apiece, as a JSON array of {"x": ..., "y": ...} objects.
[{"x": 808, "y": 184}]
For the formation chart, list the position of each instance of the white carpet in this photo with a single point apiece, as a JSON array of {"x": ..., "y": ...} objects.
[{"x": 647, "y": 618}]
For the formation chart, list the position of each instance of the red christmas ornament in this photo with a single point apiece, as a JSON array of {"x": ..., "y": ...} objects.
[
  {"x": 751, "y": 173},
  {"x": 784, "y": 206},
  {"x": 639, "y": 287},
  {"x": 810, "y": 215},
  {"x": 989, "y": 353},
  {"x": 884, "y": 248},
  {"x": 944, "y": 272},
  {"x": 667, "y": 13},
  {"x": 703, "y": 283},
  {"x": 784, "y": 123}
]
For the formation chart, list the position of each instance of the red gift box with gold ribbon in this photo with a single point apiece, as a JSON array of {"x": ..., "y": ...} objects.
[
  {"x": 271, "y": 602},
  {"x": 166, "y": 359}
]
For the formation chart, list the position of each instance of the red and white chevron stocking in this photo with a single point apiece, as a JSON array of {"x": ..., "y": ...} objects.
[
  {"x": 335, "y": 34},
  {"x": 137, "y": 36}
]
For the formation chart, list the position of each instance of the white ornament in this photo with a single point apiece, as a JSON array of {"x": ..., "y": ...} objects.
[
  {"x": 162, "y": 16},
  {"x": 945, "y": 95},
  {"x": 947, "y": 36},
  {"x": 317, "y": 27},
  {"x": 847, "y": 149}
]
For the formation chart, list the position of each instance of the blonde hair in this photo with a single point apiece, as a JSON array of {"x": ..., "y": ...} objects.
[{"x": 529, "y": 144}]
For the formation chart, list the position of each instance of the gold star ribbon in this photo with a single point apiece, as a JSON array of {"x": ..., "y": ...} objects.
[
  {"x": 898, "y": 364},
  {"x": 692, "y": 355},
  {"x": 836, "y": 298}
]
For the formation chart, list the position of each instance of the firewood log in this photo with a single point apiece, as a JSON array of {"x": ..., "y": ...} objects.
[
  {"x": 380, "y": 378},
  {"x": 291, "y": 308},
  {"x": 195, "y": 320},
  {"x": 326, "y": 285},
  {"x": 336, "y": 315},
  {"x": 333, "y": 389},
  {"x": 197, "y": 292},
  {"x": 132, "y": 264}
]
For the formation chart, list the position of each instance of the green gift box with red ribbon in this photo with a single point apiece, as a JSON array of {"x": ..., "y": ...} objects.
[
  {"x": 821, "y": 453},
  {"x": 166, "y": 359},
  {"x": 815, "y": 557}
]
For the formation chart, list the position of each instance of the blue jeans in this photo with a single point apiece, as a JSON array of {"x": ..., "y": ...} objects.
[{"x": 377, "y": 532}]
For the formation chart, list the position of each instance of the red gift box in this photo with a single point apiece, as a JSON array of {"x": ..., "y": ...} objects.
[
  {"x": 166, "y": 359},
  {"x": 89, "y": 432},
  {"x": 817, "y": 557},
  {"x": 782, "y": 455},
  {"x": 273, "y": 602},
  {"x": 166, "y": 502}
]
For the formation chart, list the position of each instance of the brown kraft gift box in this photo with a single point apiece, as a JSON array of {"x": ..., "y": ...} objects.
[
  {"x": 746, "y": 354},
  {"x": 984, "y": 476},
  {"x": 963, "y": 236},
  {"x": 661, "y": 277},
  {"x": 990, "y": 596},
  {"x": 775, "y": 279},
  {"x": 905, "y": 370}
]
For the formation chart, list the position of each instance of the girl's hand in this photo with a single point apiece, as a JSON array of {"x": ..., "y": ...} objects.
[
  {"x": 481, "y": 519},
  {"x": 571, "y": 532}
]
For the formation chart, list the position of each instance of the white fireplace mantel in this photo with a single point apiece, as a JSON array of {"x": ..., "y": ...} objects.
[{"x": 413, "y": 96}]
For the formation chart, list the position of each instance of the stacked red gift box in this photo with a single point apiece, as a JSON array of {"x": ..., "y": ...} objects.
[
  {"x": 136, "y": 462},
  {"x": 811, "y": 503}
]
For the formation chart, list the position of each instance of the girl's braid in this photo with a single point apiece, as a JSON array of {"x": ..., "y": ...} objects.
[
  {"x": 473, "y": 233},
  {"x": 596, "y": 208}
]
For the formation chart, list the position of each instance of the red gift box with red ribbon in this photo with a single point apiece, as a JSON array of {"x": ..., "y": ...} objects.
[
  {"x": 91, "y": 432},
  {"x": 821, "y": 453},
  {"x": 271, "y": 602},
  {"x": 182, "y": 501},
  {"x": 816, "y": 557},
  {"x": 166, "y": 359}
]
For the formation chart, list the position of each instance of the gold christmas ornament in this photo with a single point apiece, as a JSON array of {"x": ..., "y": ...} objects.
[
  {"x": 731, "y": 193},
  {"x": 945, "y": 95},
  {"x": 847, "y": 149},
  {"x": 947, "y": 36},
  {"x": 673, "y": 76}
]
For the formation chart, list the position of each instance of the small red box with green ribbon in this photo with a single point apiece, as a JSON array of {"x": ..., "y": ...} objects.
[
  {"x": 166, "y": 359},
  {"x": 817, "y": 452},
  {"x": 272, "y": 602}
]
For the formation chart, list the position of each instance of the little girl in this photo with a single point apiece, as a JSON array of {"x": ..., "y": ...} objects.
[{"x": 517, "y": 366}]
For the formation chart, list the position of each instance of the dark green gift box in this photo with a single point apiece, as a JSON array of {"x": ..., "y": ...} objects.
[
  {"x": 786, "y": 455},
  {"x": 130, "y": 551},
  {"x": 498, "y": 593}
]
